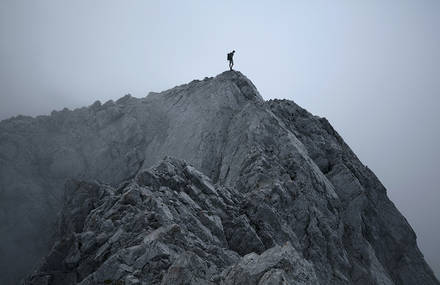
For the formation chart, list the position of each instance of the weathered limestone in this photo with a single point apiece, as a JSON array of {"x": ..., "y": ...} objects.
[{"x": 257, "y": 193}]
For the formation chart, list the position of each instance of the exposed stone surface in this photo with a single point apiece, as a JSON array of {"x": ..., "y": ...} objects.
[
  {"x": 286, "y": 201},
  {"x": 105, "y": 142},
  {"x": 168, "y": 230}
]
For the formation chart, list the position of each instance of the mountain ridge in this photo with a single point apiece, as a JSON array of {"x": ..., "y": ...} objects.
[{"x": 296, "y": 180}]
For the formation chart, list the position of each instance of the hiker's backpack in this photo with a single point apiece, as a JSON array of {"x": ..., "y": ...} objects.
[{"x": 229, "y": 56}]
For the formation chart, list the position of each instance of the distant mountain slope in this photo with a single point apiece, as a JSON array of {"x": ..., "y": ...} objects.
[{"x": 287, "y": 188}]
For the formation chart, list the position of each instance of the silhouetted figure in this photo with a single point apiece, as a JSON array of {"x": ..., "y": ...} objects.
[{"x": 231, "y": 59}]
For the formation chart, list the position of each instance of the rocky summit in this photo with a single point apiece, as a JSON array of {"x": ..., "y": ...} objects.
[{"x": 205, "y": 183}]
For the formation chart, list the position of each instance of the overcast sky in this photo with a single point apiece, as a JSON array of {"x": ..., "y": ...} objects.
[{"x": 371, "y": 67}]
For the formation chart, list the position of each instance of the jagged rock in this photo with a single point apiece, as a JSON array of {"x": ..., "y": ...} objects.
[
  {"x": 278, "y": 265},
  {"x": 178, "y": 240},
  {"x": 180, "y": 248},
  {"x": 286, "y": 200}
]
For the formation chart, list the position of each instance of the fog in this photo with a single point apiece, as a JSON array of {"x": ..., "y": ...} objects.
[{"x": 370, "y": 67}]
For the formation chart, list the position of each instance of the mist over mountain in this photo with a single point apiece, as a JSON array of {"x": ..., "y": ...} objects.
[{"x": 205, "y": 183}]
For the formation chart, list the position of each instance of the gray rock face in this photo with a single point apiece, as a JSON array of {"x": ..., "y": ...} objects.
[
  {"x": 259, "y": 193},
  {"x": 167, "y": 229}
]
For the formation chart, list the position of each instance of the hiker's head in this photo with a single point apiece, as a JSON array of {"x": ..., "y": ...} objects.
[{"x": 233, "y": 51}]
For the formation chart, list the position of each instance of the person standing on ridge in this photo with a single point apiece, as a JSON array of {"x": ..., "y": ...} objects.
[{"x": 231, "y": 59}]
